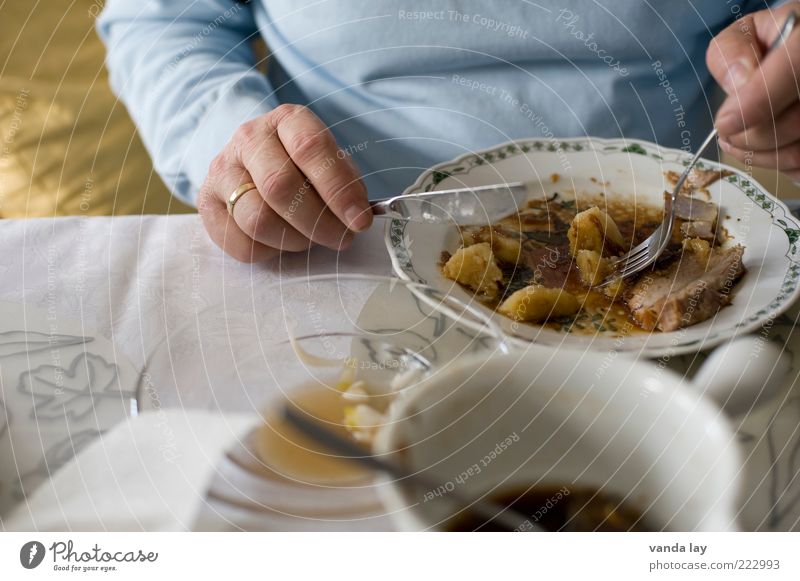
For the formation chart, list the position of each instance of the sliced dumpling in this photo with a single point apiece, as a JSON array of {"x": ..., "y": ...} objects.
[
  {"x": 475, "y": 267},
  {"x": 594, "y": 230},
  {"x": 536, "y": 303},
  {"x": 592, "y": 267},
  {"x": 506, "y": 248}
]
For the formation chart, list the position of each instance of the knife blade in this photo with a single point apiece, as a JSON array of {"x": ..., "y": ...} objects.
[{"x": 463, "y": 206}]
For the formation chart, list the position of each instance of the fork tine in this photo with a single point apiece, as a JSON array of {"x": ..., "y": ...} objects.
[
  {"x": 632, "y": 255},
  {"x": 643, "y": 246},
  {"x": 641, "y": 249},
  {"x": 637, "y": 263},
  {"x": 633, "y": 266},
  {"x": 627, "y": 256}
]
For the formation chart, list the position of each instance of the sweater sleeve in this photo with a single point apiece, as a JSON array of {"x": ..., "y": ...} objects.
[{"x": 185, "y": 69}]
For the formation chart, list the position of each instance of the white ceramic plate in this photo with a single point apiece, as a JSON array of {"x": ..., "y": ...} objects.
[{"x": 619, "y": 168}]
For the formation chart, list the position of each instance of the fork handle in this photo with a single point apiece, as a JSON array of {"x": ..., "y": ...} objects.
[{"x": 709, "y": 138}]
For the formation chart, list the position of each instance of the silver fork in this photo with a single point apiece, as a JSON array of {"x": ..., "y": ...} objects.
[{"x": 647, "y": 252}]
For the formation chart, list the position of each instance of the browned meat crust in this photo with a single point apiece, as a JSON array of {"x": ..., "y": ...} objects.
[
  {"x": 698, "y": 229},
  {"x": 701, "y": 178},
  {"x": 695, "y": 209},
  {"x": 689, "y": 291},
  {"x": 698, "y": 178}
]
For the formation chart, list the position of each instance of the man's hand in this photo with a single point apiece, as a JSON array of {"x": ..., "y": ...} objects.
[
  {"x": 308, "y": 190},
  {"x": 759, "y": 122}
]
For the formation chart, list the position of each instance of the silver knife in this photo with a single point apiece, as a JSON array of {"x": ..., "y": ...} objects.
[{"x": 462, "y": 206}]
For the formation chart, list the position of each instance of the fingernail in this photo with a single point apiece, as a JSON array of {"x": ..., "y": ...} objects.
[
  {"x": 724, "y": 145},
  {"x": 737, "y": 76},
  {"x": 354, "y": 215}
]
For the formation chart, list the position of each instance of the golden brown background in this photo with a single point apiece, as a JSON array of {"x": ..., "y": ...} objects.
[{"x": 66, "y": 145}]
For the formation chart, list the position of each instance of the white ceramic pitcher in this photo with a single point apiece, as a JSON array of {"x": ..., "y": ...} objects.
[{"x": 580, "y": 419}]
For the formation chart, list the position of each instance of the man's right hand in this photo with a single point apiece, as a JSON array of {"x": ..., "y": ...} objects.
[{"x": 308, "y": 191}]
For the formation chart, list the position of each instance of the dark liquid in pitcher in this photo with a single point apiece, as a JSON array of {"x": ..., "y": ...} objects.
[{"x": 558, "y": 509}]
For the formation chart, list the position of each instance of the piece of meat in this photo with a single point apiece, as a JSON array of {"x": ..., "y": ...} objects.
[
  {"x": 701, "y": 178},
  {"x": 690, "y": 290},
  {"x": 694, "y": 209},
  {"x": 698, "y": 178},
  {"x": 702, "y": 229}
]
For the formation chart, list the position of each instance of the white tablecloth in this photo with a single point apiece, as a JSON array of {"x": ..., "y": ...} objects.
[
  {"x": 138, "y": 280},
  {"x": 143, "y": 293}
]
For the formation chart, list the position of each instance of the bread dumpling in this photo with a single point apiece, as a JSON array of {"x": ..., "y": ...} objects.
[
  {"x": 475, "y": 267},
  {"x": 592, "y": 267},
  {"x": 594, "y": 230},
  {"x": 536, "y": 303},
  {"x": 505, "y": 248}
]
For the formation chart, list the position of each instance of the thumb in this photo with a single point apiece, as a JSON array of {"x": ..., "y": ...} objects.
[{"x": 734, "y": 54}]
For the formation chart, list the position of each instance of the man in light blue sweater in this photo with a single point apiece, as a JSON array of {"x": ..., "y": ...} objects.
[{"x": 387, "y": 88}]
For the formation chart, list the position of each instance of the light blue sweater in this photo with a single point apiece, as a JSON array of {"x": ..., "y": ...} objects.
[{"x": 407, "y": 84}]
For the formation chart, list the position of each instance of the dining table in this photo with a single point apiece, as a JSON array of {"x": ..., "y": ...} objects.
[{"x": 123, "y": 338}]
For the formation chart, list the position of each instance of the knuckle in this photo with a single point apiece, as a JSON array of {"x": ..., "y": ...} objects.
[
  {"x": 246, "y": 132},
  {"x": 306, "y": 147},
  {"x": 277, "y": 186},
  {"x": 342, "y": 191},
  {"x": 715, "y": 61},
  {"x": 204, "y": 199},
  {"x": 257, "y": 224},
  {"x": 283, "y": 111},
  {"x": 338, "y": 194},
  {"x": 711, "y": 64},
  {"x": 218, "y": 166},
  {"x": 711, "y": 52}
]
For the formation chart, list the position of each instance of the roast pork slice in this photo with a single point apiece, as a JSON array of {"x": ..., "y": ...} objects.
[
  {"x": 702, "y": 178},
  {"x": 698, "y": 179},
  {"x": 690, "y": 290},
  {"x": 698, "y": 229},
  {"x": 694, "y": 209}
]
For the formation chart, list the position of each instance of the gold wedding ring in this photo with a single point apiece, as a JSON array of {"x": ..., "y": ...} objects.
[{"x": 238, "y": 193}]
